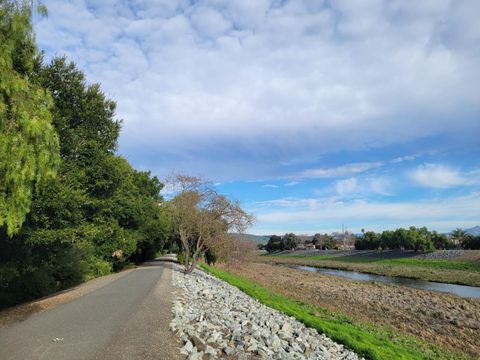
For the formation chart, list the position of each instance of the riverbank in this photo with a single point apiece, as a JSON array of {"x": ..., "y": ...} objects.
[
  {"x": 462, "y": 272},
  {"x": 443, "y": 320},
  {"x": 216, "y": 320}
]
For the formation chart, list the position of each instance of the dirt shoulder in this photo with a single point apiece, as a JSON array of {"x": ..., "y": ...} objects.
[
  {"x": 441, "y": 319},
  {"x": 24, "y": 311}
]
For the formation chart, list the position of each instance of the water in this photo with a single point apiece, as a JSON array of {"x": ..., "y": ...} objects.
[{"x": 460, "y": 290}]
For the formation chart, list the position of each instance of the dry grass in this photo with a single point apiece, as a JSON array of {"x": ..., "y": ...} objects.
[
  {"x": 438, "y": 318},
  {"x": 454, "y": 272}
]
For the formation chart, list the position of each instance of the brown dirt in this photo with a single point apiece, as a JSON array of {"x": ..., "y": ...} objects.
[
  {"x": 438, "y": 318},
  {"x": 23, "y": 311}
]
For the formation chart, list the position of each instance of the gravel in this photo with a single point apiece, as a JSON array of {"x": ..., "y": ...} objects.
[{"x": 217, "y": 321}]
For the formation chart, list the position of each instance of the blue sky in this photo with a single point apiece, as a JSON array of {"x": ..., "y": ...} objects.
[{"x": 313, "y": 114}]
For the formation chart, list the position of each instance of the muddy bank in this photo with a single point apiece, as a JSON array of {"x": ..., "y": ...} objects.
[{"x": 441, "y": 319}]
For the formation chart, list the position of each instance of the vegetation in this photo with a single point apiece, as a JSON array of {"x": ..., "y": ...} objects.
[
  {"x": 28, "y": 141},
  {"x": 450, "y": 271},
  {"x": 287, "y": 242},
  {"x": 468, "y": 241},
  {"x": 203, "y": 218},
  {"x": 98, "y": 214},
  {"x": 418, "y": 239},
  {"x": 372, "y": 342}
]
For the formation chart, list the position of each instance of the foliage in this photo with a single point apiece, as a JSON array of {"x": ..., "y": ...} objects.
[
  {"x": 210, "y": 257},
  {"x": 288, "y": 241},
  {"x": 275, "y": 243},
  {"x": 28, "y": 142},
  {"x": 418, "y": 239},
  {"x": 371, "y": 342},
  {"x": 463, "y": 272},
  {"x": 471, "y": 242},
  {"x": 203, "y": 218}
]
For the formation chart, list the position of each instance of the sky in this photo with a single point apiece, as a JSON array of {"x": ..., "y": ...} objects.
[{"x": 311, "y": 113}]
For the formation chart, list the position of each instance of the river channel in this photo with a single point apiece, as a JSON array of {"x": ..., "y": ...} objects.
[{"x": 460, "y": 290}]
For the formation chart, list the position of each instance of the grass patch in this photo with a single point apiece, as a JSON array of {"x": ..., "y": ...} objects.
[
  {"x": 440, "y": 264},
  {"x": 366, "y": 340}
]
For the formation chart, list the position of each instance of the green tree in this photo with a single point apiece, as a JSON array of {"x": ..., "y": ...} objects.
[
  {"x": 274, "y": 244},
  {"x": 290, "y": 241},
  {"x": 28, "y": 141},
  {"x": 83, "y": 117},
  {"x": 458, "y": 236},
  {"x": 441, "y": 241}
]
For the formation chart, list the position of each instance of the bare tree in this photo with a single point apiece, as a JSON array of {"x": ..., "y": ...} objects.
[{"x": 203, "y": 218}]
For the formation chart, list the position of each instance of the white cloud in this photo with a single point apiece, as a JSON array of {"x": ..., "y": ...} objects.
[
  {"x": 209, "y": 22},
  {"x": 438, "y": 176},
  {"x": 344, "y": 170},
  {"x": 347, "y": 186},
  {"x": 291, "y": 183},
  {"x": 271, "y": 186},
  {"x": 298, "y": 78},
  {"x": 442, "y": 213}
]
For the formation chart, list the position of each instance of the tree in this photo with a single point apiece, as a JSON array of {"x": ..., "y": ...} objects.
[
  {"x": 441, "y": 241},
  {"x": 370, "y": 240},
  {"x": 203, "y": 218},
  {"x": 471, "y": 242},
  {"x": 329, "y": 242},
  {"x": 274, "y": 244},
  {"x": 290, "y": 241},
  {"x": 458, "y": 236},
  {"x": 317, "y": 239},
  {"x": 28, "y": 141}
]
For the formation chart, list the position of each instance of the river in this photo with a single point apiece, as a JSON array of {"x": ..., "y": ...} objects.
[{"x": 460, "y": 290}]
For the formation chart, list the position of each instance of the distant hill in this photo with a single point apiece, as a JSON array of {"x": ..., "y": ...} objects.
[
  {"x": 473, "y": 231},
  {"x": 258, "y": 239}
]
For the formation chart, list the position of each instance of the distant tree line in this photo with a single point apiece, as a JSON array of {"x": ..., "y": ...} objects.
[
  {"x": 418, "y": 239},
  {"x": 291, "y": 241},
  {"x": 413, "y": 238}
]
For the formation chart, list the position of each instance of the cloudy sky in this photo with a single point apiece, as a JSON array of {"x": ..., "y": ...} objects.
[{"x": 311, "y": 113}]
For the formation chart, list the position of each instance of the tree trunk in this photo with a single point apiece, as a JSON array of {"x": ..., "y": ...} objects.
[
  {"x": 195, "y": 258},
  {"x": 186, "y": 250}
]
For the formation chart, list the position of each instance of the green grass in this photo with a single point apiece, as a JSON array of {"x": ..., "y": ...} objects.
[
  {"x": 366, "y": 340},
  {"x": 433, "y": 264}
]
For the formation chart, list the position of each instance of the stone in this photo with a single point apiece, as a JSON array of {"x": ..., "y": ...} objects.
[{"x": 216, "y": 320}]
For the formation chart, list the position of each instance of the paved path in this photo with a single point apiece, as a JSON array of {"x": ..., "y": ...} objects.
[{"x": 125, "y": 319}]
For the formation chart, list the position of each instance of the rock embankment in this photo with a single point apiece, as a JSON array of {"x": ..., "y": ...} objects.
[{"x": 216, "y": 320}]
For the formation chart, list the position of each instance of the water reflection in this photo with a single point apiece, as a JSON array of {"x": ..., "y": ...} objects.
[{"x": 460, "y": 290}]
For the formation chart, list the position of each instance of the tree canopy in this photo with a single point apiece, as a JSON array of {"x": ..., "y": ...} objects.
[
  {"x": 28, "y": 141},
  {"x": 203, "y": 218}
]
